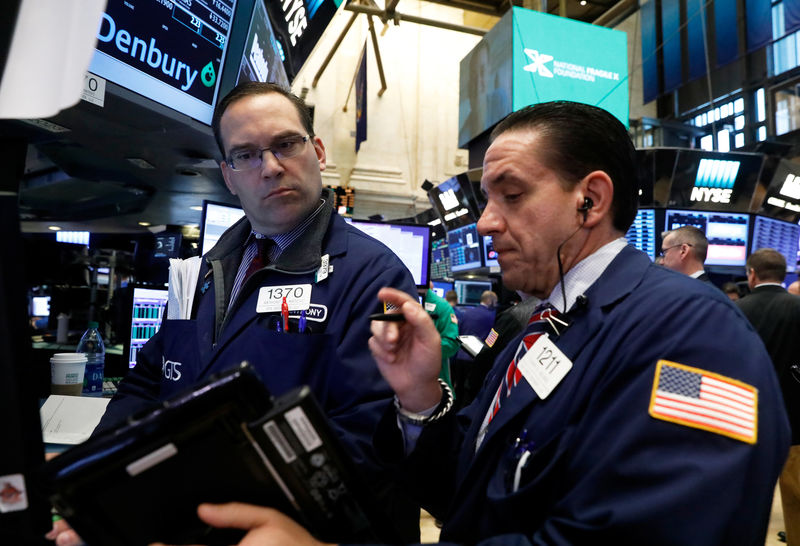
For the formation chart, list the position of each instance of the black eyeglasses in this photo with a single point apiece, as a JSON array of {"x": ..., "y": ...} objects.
[
  {"x": 664, "y": 250},
  {"x": 247, "y": 159}
]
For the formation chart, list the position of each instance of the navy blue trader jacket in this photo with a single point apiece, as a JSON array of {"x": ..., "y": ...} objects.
[
  {"x": 331, "y": 357},
  {"x": 599, "y": 461}
]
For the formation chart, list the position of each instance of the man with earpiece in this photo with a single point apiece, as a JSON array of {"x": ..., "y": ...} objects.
[{"x": 637, "y": 407}]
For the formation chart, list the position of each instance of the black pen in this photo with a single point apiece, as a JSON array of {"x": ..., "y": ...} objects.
[
  {"x": 395, "y": 317},
  {"x": 388, "y": 317}
]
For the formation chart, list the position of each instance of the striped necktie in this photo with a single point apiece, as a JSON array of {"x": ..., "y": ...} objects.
[
  {"x": 261, "y": 259},
  {"x": 537, "y": 325}
]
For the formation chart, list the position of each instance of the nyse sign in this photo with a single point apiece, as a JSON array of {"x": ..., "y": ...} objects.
[{"x": 711, "y": 195}]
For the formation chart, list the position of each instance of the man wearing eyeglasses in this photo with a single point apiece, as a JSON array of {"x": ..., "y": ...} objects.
[
  {"x": 684, "y": 250},
  {"x": 775, "y": 314},
  {"x": 273, "y": 163}
]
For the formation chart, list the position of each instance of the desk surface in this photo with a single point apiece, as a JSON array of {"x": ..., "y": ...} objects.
[{"x": 67, "y": 348}]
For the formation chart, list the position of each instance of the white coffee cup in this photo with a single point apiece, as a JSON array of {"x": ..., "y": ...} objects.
[{"x": 66, "y": 373}]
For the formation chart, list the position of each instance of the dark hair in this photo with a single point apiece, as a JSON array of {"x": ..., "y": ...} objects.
[
  {"x": 731, "y": 288},
  {"x": 580, "y": 139},
  {"x": 768, "y": 263},
  {"x": 248, "y": 89}
]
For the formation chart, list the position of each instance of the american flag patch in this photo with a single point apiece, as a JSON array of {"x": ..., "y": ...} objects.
[
  {"x": 491, "y": 338},
  {"x": 705, "y": 400}
]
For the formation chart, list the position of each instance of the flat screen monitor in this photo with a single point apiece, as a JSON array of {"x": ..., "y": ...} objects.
[
  {"x": 148, "y": 311},
  {"x": 261, "y": 58},
  {"x": 726, "y": 233},
  {"x": 440, "y": 288},
  {"x": 169, "y": 51},
  {"x": 642, "y": 233},
  {"x": 469, "y": 291},
  {"x": 777, "y": 234},
  {"x": 440, "y": 259},
  {"x": 217, "y": 217},
  {"x": 489, "y": 252},
  {"x": 298, "y": 26},
  {"x": 464, "y": 244},
  {"x": 168, "y": 245},
  {"x": 40, "y": 306},
  {"x": 411, "y": 243}
]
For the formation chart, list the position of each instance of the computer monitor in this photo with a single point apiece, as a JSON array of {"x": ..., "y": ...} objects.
[
  {"x": 170, "y": 52},
  {"x": 464, "y": 244},
  {"x": 146, "y": 316},
  {"x": 440, "y": 258},
  {"x": 217, "y": 217},
  {"x": 642, "y": 233},
  {"x": 727, "y": 233},
  {"x": 40, "y": 306},
  {"x": 777, "y": 234},
  {"x": 469, "y": 291},
  {"x": 411, "y": 243},
  {"x": 489, "y": 253},
  {"x": 168, "y": 245},
  {"x": 440, "y": 288}
]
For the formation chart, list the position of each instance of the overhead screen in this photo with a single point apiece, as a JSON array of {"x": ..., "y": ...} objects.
[
  {"x": 530, "y": 57},
  {"x": 298, "y": 26},
  {"x": 727, "y": 233},
  {"x": 169, "y": 51},
  {"x": 410, "y": 242},
  {"x": 262, "y": 59}
]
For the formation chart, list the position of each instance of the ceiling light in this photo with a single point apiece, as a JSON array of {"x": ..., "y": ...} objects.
[
  {"x": 196, "y": 208},
  {"x": 583, "y": 2},
  {"x": 144, "y": 224},
  {"x": 53, "y": 228}
]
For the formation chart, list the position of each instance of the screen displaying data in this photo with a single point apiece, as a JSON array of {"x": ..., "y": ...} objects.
[
  {"x": 465, "y": 248},
  {"x": 217, "y": 217},
  {"x": 410, "y": 242},
  {"x": 440, "y": 259},
  {"x": 148, "y": 311},
  {"x": 469, "y": 292},
  {"x": 726, "y": 233},
  {"x": 642, "y": 233},
  {"x": 780, "y": 235}
]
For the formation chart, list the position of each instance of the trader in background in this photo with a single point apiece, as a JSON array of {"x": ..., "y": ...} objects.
[
  {"x": 775, "y": 314},
  {"x": 607, "y": 430},
  {"x": 684, "y": 250},
  {"x": 447, "y": 325},
  {"x": 289, "y": 237}
]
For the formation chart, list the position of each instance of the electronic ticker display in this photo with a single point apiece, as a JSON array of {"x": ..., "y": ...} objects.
[
  {"x": 642, "y": 233},
  {"x": 727, "y": 233},
  {"x": 777, "y": 234},
  {"x": 170, "y": 51}
]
